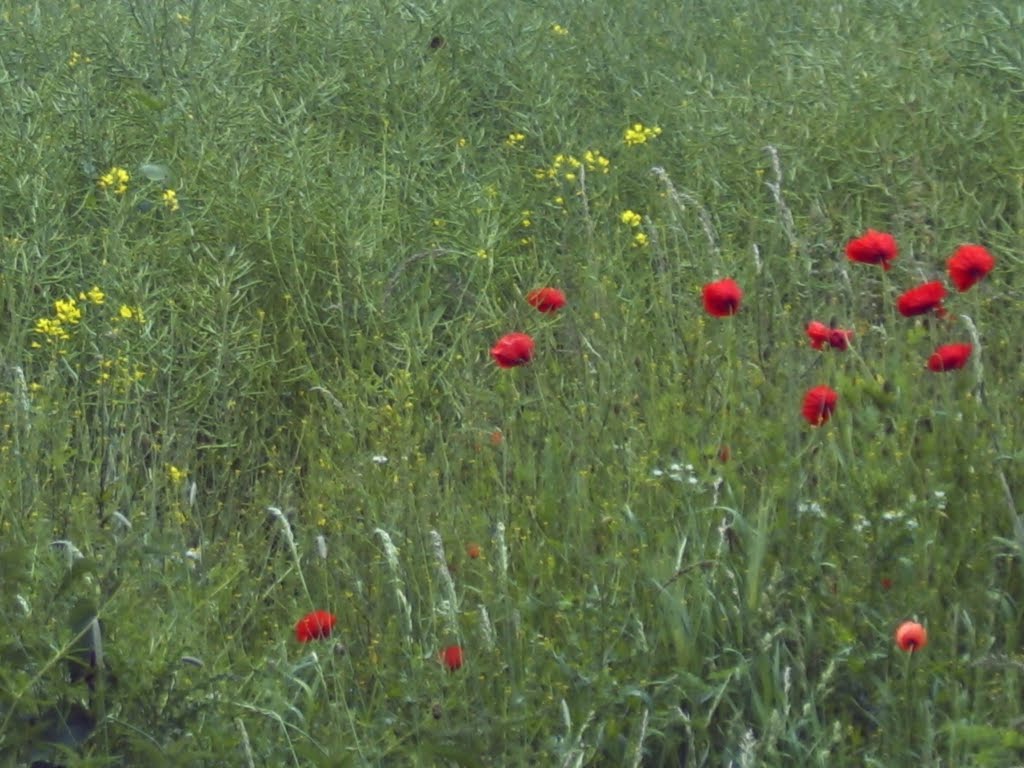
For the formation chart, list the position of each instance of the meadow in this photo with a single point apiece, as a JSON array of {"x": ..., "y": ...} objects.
[{"x": 254, "y": 258}]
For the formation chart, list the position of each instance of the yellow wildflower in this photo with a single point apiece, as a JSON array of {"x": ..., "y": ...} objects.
[
  {"x": 115, "y": 180},
  {"x": 75, "y": 58},
  {"x": 67, "y": 311},
  {"x": 638, "y": 133},
  {"x": 631, "y": 218},
  {"x": 94, "y": 295},
  {"x": 564, "y": 166},
  {"x": 53, "y": 329},
  {"x": 559, "y": 30},
  {"x": 131, "y": 313},
  {"x": 176, "y": 475},
  {"x": 170, "y": 198},
  {"x": 596, "y": 161},
  {"x": 515, "y": 139},
  {"x": 640, "y": 239}
]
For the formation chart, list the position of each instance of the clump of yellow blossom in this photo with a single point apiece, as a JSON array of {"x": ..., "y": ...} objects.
[
  {"x": 170, "y": 198},
  {"x": 76, "y": 58},
  {"x": 638, "y": 133},
  {"x": 596, "y": 161},
  {"x": 115, "y": 180},
  {"x": 120, "y": 373},
  {"x": 562, "y": 167},
  {"x": 131, "y": 313},
  {"x": 176, "y": 475},
  {"x": 94, "y": 295},
  {"x": 66, "y": 313},
  {"x": 565, "y": 167},
  {"x": 559, "y": 30},
  {"x": 51, "y": 329},
  {"x": 515, "y": 139},
  {"x": 631, "y": 218},
  {"x": 526, "y": 222}
]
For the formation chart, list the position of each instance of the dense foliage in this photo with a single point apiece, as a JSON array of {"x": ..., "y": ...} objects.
[{"x": 266, "y": 498}]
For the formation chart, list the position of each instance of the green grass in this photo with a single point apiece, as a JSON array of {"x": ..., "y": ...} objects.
[{"x": 355, "y": 228}]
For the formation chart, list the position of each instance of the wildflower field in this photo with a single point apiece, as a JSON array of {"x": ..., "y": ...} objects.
[{"x": 474, "y": 383}]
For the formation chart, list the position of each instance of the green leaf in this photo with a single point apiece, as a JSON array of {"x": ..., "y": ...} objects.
[
  {"x": 81, "y": 656},
  {"x": 154, "y": 171}
]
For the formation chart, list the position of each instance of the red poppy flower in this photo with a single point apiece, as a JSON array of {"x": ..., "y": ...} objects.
[
  {"x": 819, "y": 404},
  {"x": 473, "y": 550},
  {"x": 924, "y": 298},
  {"x": 314, "y": 626},
  {"x": 513, "y": 349},
  {"x": 968, "y": 265},
  {"x": 873, "y": 248},
  {"x": 820, "y": 334},
  {"x": 886, "y": 583},
  {"x": 911, "y": 636},
  {"x": 722, "y": 298},
  {"x": 840, "y": 339},
  {"x": 546, "y": 299},
  {"x": 724, "y": 453},
  {"x": 950, "y": 357},
  {"x": 451, "y": 657}
]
